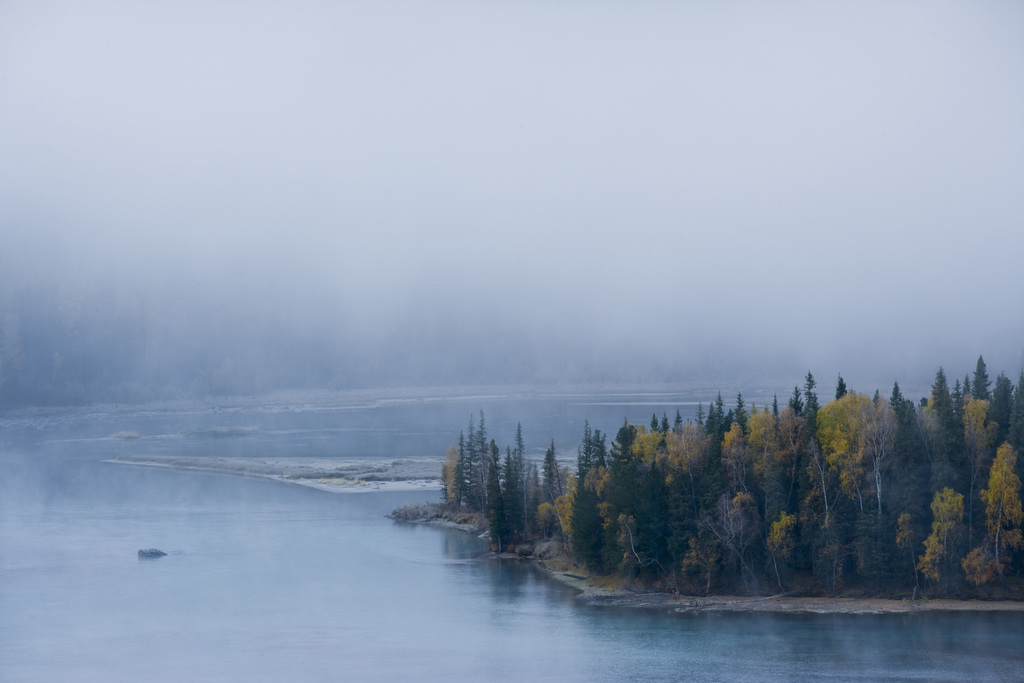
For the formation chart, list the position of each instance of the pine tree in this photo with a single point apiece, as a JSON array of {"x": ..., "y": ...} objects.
[
  {"x": 654, "y": 423},
  {"x": 1015, "y": 435},
  {"x": 949, "y": 465},
  {"x": 585, "y": 529},
  {"x": 775, "y": 406},
  {"x": 981, "y": 383},
  {"x": 552, "y": 479},
  {"x": 1000, "y": 409},
  {"x": 513, "y": 499},
  {"x": 622, "y": 492},
  {"x": 896, "y": 398},
  {"x": 664, "y": 423},
  {"x": 740, "y": 414},
  {"x": 524, "y": 475},
  {"x": 496, "y": 506},
  {"x": 796, "y": 403},
  {"x": 840, "y": 388},
  {"x": 470, "y": 460},
  {"x": 461, "y": 485},
  {"x": 678, "y": 425},
  {"x": 958, "y": 401},
  {"x": 700, "y": 414},
  {"x": 811, "y": 407}
]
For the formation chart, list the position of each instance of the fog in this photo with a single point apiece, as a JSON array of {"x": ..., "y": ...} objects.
[{"x": 233, "y": 198}]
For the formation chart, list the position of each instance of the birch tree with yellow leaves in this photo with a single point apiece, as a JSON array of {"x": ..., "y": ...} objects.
[
  {"x": 948, "y": 514},
  {"x": 1003, "y": 505}
]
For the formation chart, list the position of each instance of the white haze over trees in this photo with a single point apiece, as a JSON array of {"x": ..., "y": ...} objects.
[{"x": 406, "y": 193}]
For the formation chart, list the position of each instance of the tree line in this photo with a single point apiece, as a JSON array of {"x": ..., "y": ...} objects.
[{"x": 859, "y": 495}]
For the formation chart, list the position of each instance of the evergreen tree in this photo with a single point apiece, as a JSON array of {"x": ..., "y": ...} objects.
[
  {"x": 652, "y": 522},
  {"x": 533, "y": 497},
  {"x": 600, "y": 449},
  {"x": 513, "y": 498},
  {"x": 958, "y": 401},
  {"x": 524, "y": 476},
  {"x": 811, "y": 407},
  {"x": 1015, "y": 435},
  {"x": 967, "y": 387},
  {"x": 552, "y": 480},
  {"x": 896, "y": 398},
  {"x": 622, "y": 492},
  {"x": 840, "y": 388},
  {"x": 796, "y": 403},
  {"x": 740, "y": 414},
  {"x": 678, "y": 425},
  {"x": 664, "y": 423},
  {"x": 470, "y": 461},
  {"x": 700, "y": 413},
  {"x": 1000, "y": 409},
  {"x": 910, "y": 469},
  {"x": 949, "y": 465},
  {"x": 981, "y": 383},
  {"x": 654, "y": 423},
  {"x": 586, "y": 530},
  {"x": 461, "y": 482},
  {"x": 496, "y": 501},
  {"x": 775, "y": 406}
]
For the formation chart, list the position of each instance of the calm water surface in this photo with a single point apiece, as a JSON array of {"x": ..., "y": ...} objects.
[{"x": 270, "y": 582}]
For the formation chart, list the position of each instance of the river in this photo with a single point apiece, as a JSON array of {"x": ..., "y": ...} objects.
[{"x": 266, "y": 581}]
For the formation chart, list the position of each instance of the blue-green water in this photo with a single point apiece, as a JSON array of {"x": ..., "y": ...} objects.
[{"x": 271, "y": 582}]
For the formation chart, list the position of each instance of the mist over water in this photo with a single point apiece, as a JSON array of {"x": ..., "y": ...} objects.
[
  {"x": 226, "y": 199},
  {"x": 347, "y": 227}
]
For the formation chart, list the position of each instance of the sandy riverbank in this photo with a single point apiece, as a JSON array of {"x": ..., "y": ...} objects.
[{"x": 325, "y": 474}]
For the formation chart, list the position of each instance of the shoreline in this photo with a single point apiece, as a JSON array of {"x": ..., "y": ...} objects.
[
  {"x": 671, "y": 603},
  {"x": 323, "y": 474}
]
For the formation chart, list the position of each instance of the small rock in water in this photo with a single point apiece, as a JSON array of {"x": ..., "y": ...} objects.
[{"x": 151, "y": 554}]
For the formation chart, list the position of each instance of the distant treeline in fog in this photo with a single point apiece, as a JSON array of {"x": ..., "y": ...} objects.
[
  {"x": 859, "y": 495},
  {"x": 87, "y": 341}
]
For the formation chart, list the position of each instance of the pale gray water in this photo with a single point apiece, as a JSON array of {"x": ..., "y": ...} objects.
[{"x": 270, "y": 582}]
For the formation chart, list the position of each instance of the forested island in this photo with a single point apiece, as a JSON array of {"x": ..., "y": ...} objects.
[{"x": 859, "y": 496}]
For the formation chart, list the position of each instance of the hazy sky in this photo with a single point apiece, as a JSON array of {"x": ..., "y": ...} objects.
[{"x": 796, "y": 184}]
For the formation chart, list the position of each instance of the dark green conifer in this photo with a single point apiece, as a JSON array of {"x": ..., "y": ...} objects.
[
  {"x": 949, "y": 465},
  {"x": 958, "y": 401},
  {"x": 840, "y": 388},
  {"x": 1000, "y": 409},
  {"x": 552, "y": 480},
  {"x": 740, "y": 414},
  {"x": 586, "y": 529},
  {"x": 461, "y": 483},
  {"x": 981, "y": 383},
  {"x": 519, "y": 454},
  {"x": 1015, "y": 436},
  {"x": 896, "y": 399},
  {"x": 678, "y": 425},
  {"x": 811, "y": 407},
  {"x": 513, "y": 497},
  {"x": 775, "y": 406},
  {"x": 664, "y": 423},
  {"x": 796, "y": 403},
  {"x": 496, "y": 501},
  {"x": 654, "y": 423}
]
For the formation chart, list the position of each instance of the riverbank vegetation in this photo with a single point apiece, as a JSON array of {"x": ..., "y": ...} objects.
[{"x": 859, "y": 495}]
